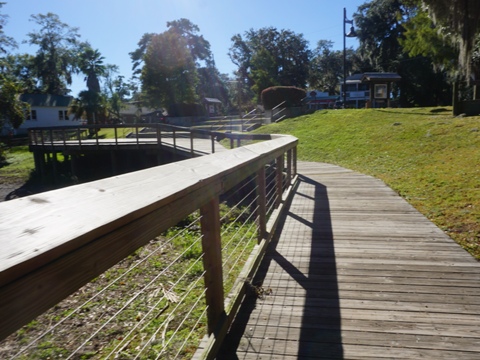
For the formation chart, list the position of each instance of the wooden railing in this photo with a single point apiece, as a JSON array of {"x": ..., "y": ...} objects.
[
  {"x": 55, "y": 242},
  {"x": 86, "y": 135}
]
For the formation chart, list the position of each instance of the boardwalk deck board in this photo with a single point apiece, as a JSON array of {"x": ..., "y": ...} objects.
[{"x": 358, "y": 273}]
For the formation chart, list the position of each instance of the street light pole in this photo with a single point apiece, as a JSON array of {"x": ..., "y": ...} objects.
[{"x": 352, "y": 33}]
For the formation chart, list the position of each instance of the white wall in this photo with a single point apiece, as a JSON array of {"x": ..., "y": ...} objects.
[{"x": 46, "y": 117}]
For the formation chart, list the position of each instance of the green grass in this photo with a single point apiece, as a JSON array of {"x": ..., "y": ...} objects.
[
  {"x": 427, "y": 156},
  {"x": 106, "y": 133},
  {"x": 18, "y": 165}
]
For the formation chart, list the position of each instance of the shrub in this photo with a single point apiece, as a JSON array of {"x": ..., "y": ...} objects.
[{"x": 275, "y": 95}]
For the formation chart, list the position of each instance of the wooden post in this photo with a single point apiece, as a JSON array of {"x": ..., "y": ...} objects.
[
  {"x": 73, "y": 164},
  {"x": 136, "y": 135},
  {"x": 79, "y": 136},
  {"x": 212, "y": 262},
  {"x": 113, "y": 160},
  {"x": 174, "y": 142},
  {"x": 95, "y": 132},
  {"x": 261, "y": 204},
  {"x": 294, "y": 160},
  {"x": 289, "y": 167},
  {"x": 51, "y": 139},
  {"x": 191, "y": 143},
  {"x": 279, "y": 181},
  {"x": 54, "y": 167},
  {"x": 212, "y": 137}
]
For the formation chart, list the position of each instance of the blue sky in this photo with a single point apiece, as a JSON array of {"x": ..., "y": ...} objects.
[{"x": 114, "y": 27}]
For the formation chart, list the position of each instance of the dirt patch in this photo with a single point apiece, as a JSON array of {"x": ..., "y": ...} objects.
[{"x": 13, "y": 189}]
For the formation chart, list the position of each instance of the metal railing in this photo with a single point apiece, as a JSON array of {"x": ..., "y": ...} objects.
[{"x": 278, "y": 112}]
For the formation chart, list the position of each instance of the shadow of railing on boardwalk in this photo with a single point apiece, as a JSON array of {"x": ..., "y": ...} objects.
[{"x": 320, "y": 325}]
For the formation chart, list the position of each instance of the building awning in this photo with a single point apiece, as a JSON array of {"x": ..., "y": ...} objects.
[
  {"x": 213, "y": 100},
  {"x": 381, "y": 77}
]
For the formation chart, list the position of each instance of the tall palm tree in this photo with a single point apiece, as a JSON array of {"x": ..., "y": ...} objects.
[
  {"x": 91, "y": 64},
  {"x": 90, "y": 101}
]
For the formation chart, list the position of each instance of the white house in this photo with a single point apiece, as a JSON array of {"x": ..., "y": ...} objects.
[{"x": 46, "y": 111}]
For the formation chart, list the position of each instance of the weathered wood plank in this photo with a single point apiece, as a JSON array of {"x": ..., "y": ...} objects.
[
  {"x": 370, "y": 336},
  {"x": 359, "y": 273}
]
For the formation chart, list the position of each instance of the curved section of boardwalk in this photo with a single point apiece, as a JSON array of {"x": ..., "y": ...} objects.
[{"x": 357, "y": 273}]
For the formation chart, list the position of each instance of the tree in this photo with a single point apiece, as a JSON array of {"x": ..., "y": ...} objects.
[
  {"x": 88, "y": 105},
  {"x": 462, "y": 17},
  {"x": 422, "y": 39},
  {"x": 199, "y": 47},
  {"x": 20, "y": 68},
  {"x": 380, "y": 26},
  {"x": 326, "y": 67},
  {"x": 169, "y": 74},
  {"x": 138, "y": 55},
  {"x": 269, "y": 57},
  {"x": 212, "y": 84},
  {"x": 56, "y": 60},
  {"x": 116, "y": 91},
  {"x": 384, "y": 27},
  {"x": 13, "y": 110},
  {"x": 163, "y": 79},
  {"x": 5, "y": 41},
  {"x": 91, "y": 102},
  {"x": 91, "y": 64}
]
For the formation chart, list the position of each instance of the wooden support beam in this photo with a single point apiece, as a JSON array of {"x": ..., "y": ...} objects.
[
  {"x": 212, "y": 263},
  {"x": 294, "y": 160},
  {"x": 261, "y": 204},
  {"x": 289, "y": 167},
  {"x": 279, "y": 181}
]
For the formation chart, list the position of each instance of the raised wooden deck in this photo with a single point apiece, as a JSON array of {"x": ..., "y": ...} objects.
[
  {"x": 185, "y": 145},
  {"x": 357, "y": 273}
]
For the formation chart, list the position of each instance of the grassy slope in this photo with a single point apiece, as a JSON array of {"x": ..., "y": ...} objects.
[{"x": 426, "y": 155}]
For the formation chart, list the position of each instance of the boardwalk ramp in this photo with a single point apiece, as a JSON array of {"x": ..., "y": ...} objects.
[{"x": 358, "y": 273}]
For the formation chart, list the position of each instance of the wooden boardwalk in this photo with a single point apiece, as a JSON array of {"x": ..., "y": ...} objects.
[
  {"x": 357, "y": 273},
  {"x": 180, "y": 144}
]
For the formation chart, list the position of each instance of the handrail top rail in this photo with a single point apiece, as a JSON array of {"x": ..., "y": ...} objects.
[
  {"x": 283, "y": 102},
  {"x": 38, "y": 228},
  {"x": 217, "y": 134}
]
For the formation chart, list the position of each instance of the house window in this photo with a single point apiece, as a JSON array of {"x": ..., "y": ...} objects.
[
  {"x": 32, "y": 115},
  {"x": 62, "y": 115}
]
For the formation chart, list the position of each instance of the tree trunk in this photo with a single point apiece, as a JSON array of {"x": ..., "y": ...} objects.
[{"x": 455, "y": 100}]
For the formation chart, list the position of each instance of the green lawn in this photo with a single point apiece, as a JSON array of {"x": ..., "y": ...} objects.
[
  {"x": 17, "y": 166},
  {"x": 429, "y": 157}
]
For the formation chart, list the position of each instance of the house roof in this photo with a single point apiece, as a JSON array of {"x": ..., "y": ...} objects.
[
  {"x": 379, "y": 76},
  {"x": 45, "y": 100},
  {"x": 212, "y": 100},
  {"x": 355, "y": 78}
]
